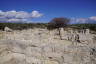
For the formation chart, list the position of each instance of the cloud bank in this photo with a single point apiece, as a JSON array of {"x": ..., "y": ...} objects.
[
  {"x": 23, "y": 16},
  {"x": 18, "y": 16},
  {"x": 83, "y": 20}
]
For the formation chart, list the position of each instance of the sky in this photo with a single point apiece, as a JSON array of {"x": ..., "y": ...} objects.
[{"x": 46, "y": 10}]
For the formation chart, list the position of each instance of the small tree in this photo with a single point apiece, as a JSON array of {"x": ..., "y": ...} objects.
[{"x": 57, "y": 23}]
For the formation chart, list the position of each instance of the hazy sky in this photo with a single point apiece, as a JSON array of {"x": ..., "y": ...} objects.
[{"x": 52, "y": 8}]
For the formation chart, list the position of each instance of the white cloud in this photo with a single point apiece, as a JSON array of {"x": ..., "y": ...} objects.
[
  {"x": 36, "y": 14},
  {"x": 22, "y": 15},
  {"x": 13, "y": 20},
  {"x": 93, "y": 18},
  {"x": 1, "y": 13},
  {"x": 19, "y": 15},
  {"x": 83, "y": 20}
]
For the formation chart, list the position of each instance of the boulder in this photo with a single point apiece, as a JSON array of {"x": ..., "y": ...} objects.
[{"x": 7, "y": 29}]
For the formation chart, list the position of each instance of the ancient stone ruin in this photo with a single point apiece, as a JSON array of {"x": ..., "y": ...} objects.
[{"x": 41, "y": 46}]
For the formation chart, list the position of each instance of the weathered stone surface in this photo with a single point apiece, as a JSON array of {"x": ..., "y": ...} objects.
[
  {"x": 7, "y": 29},
  {"x": 39, "y": 46}
]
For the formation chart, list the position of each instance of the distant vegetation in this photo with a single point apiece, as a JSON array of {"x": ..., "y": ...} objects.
[
  {"x": 21, "y": 26},
  {"x": 84, "y": 26}
]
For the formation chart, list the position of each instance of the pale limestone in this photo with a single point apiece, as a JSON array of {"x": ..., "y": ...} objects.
[{"x": 41, "y": 46}]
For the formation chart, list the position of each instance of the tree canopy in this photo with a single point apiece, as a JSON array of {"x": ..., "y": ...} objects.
[{"x": 58, "y": 22}]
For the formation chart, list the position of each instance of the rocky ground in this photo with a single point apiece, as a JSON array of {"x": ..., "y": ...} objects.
[{"x": 41, "y": 46}]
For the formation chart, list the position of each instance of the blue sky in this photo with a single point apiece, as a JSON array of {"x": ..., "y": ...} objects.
[{"x": 52, "y": 8}]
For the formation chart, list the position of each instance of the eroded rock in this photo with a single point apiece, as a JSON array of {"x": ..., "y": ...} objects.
[{"x": 39, "y": 46}]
